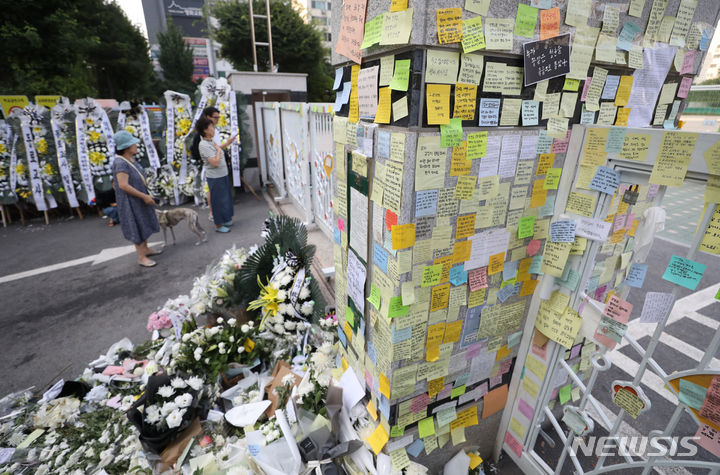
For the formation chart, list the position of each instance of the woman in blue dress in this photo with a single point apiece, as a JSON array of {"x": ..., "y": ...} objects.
[{"x": 136, "y": 208}]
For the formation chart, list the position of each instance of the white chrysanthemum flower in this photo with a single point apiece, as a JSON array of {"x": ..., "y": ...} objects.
[
  {"x": 178, "y": 383},
  {"x": 288, "y": 379},
  {"x": 307, "y": 308},
  {"x": 245, "y": 328},
  {"x": 195, "y": 382},
  {"x": 174, "y": 419},
  {"x": 305, "y": 293},
  {"x": 241, "y": 349},
  {"x": 186, "y": 337},
  {"x": 220, "y": 320},
  {"x": 231, "y": 339},
  {"x": 184, "y": 400},
  {"x": 290, "y": 325},
  {"x": 167, "y": 408},
  {"x": 285, "y": 280},
  {"x": 166, "y": 391},
  {"x": 232, "y": 321},
  {"x": 282, "y": 295},
  {"x": 278, "y": 328}
]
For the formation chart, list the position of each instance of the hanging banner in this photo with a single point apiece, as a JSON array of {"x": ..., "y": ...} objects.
[
  {"x": 35, "y": 180},
  {"x": 147, "y": 140},
  {"x": 83, "y": 159},
  {"x": 122, "y": 118},
  {"x": 9, "y": 103},
  {"x": 47, "y": 101},
  {"x": 7, "y": 171},
  {"x": 108, "y": 131},
  {"x": 13, "y": 164},
  {"x": 63, "y": 163},
  {"x": 234, "y": 147}
]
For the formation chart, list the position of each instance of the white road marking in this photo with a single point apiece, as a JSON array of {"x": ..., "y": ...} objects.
[
  {"x": 649, "y": 379},
  {"x": 103, "y": 256}
]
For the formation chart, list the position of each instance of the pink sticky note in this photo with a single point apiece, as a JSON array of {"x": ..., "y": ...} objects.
[
  {"x": 618, "y": 309},
  {"x": 341, "y": 224},
  {"x": 709, "y": 439},
  {"x": 541, "y": 351},
  {"x": 495, "y": 380},
  {"x": 688, "y": 65},
  {"x": 513, "y": 443},
  {"x": 586, "y": 86},
  {"x": 368, "y": 379},
  {"x": 482, "y": 390},
  {"x": 599, "y": 292},
  {"x": 419, "y": 403},
  {"x": 525, "y": 408},
  {"x": 684, "y": 87},
  {"x": 478, "y": 279},
  {"x": 533, "y": 247},
  {"x": 474, "y": 350},
  {"x": 629, "y": 221},
  {"x": 619, "y": 222},
  {"x": 445, "y": 392},
  {"x": 560, "y": 146}
]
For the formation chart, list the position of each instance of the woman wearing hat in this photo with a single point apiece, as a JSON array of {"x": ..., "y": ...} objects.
[{"x": 135, "y": 206}]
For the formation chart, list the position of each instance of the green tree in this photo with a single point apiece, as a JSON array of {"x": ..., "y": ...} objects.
[
  {"x": 76, "y": 48},
  {"x": 176, "y": 59},
  {"x": 297, "y": 46}
]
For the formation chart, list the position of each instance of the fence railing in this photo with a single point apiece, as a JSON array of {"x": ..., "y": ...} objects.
[{"x": 296, "y": 156}]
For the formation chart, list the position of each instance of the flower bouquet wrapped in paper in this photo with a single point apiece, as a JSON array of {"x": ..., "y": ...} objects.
[{"x": 166, "y": 408}]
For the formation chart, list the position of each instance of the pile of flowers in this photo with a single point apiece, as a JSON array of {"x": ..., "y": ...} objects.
[
  {"x": 211, "y": 292},
  {"x": 161, "y": 183}
]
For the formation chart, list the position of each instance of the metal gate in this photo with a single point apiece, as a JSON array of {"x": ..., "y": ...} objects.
[
  {"x": 322, "y": 159},
  {"x": 296, "y": 155},
  {"x": 267, "y": 119},
  {"x": 565, "y": 397}
]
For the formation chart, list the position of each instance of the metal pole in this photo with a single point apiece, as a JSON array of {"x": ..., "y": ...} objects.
[
  {"x": 252, "y": 35},
  {"x": 267, "y": 12}
]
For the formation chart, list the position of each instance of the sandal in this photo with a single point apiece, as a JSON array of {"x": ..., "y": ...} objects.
[
  {"x": 154, "y": 253},
  {"x": 111, "y": 223},
  {"x": 151, "y": 264}
]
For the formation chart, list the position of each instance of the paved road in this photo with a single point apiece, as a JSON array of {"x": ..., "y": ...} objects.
[{"x": 72, "y": 315}]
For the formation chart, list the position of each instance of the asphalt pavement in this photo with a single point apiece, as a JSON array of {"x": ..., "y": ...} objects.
[{"x": 55, "y": 322}]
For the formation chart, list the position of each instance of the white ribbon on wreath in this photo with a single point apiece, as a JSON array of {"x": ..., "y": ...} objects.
[
  {"x": 33, "y": 167},
  {"x": 63, "y": 166},
  {"x": 82, "y": 154}
]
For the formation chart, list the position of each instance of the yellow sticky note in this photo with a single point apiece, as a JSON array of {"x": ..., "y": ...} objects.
[
  {"x": 623, "y": 91},
  {"x": 552, "y": 179},
  {"x": 465, "y": 187},
  {"x": 378, "y": 439},
  {"x": 497, "y": 261},
  {"x": 449, "y": 25},
  {"x": 459, "y": 163},
  {"x": 403, "y": 236},
  {"x": 461, "y": 251},
  {"x": 465, "y": 101},
  {"x": 439, "y": 297},
  {"x": 382, "y": 116},
  {"x": 433, "y": 353},
  {"x": 545, "y": 161},
  {"x": 431, "y": 275},
  {"x": 452, "y": 332},
  {"x": 354, "y": 114},
  {"x": 502, "y": 353},
  {"x": 343, "y": 363},
  {"x": 372, "y": 410},
  {"x": 580, "y": 203},
  {"x": 426, "y": 427},
  {"x": 673, "y": 159},
  {"x": 398, "y": 5},
  {"x": 623, "y": 114},
  {"x": 384, "y": 385},
  {"x": 539, "y": 194},
  {"x": 437, "y": 102},
  {"x": 475, "y": 460},
  {"x": 435, "y": 386}
]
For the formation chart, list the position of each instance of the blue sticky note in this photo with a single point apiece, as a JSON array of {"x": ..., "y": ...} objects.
[
  {"x": 562, "y": 231},
  {"x": 384, "y": 406},
  {"x": 341, "y": 335},
  {"x": 570, "y": 281},
  {"x": 628, "y": 33},
  {"x": 489, "y": 112},
  {"x": 401, "y": 335},
  {"x": 548, "y": 209},
  {"x": 415, "y": 448},
  {"x": 684, "y": 272},
  {"x": 611, "y": 85},
  {"x": 536, "y": 264},
  {"x": 505, "y": 293},
  {"x": 514, "y": 338},
  {"x": 691, "y": 394},
  {"x": 615, "y": 140},
  {"x": 380, "y": 257},
  {"x": 337, "y": 236},
  {"x": 544, "y": 143},
  {"x": 606, "y": 180},
  {"x": 338, "y": 78},
  {"x": 462, "y": 379},
  {"x": 706, "y": 38},
  {"x": 529, "y": 113},
  {"x": 458, "y": 275},
  {"x": 372, "y": 352},
  {"x": 383, "y": 143},
  {"x": 592, "y": 284},
  {"x": 470, "y": 327},
  {"x": 636, "y": 275},
  {"x": 426, "y": 203},
  {"x": 510, "y": 270}
]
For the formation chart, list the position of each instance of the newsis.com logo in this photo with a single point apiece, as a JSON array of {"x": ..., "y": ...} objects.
[{"x": 641, "y": 446}]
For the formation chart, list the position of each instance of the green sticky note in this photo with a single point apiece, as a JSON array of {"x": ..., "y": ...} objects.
[
  {"x": 451, "y": 134},
  {"x": 526, "y": 226},
  {"x": 473, "y": 37},
  {"x": 571, "y": 84},
  {"x": 525, "y": 21},
  {"x": 476, "y": 145},
  {"x": 396, "y": 308},
  {"x": 691, "y": 394},
  {"x": 38, "y": 432},
  {"x": 373, "y": 31},
  {"x": 459, "y": 391},
  {"x": 350, "y": 317},
  {"x": 565, "y": 393},
  {"x": 682, "y": 271},
  {"x": 426, "y": 427},
  {"x": 717, "y": 295},
  {"x": 374, "y": 296},
  {"x": 552, "y": 178},
  {"x": 401, "y": 75},
  {"x": 397, "y": 431},
  {"x": 431, "y": 275}
]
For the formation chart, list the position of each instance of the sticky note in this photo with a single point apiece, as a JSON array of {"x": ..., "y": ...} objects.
[
  {"x": 451, "y": 133},
  {"x": 684, "y": 272},
  {"x": 378, "y": 439},
  {"x": 426, "y": 427},
  {"x": 526, "y": 226},
  {"x": 442, "y": 66},
  {"x": 403, "y": 236},
  {"x": 438, "y": 103},
  {"x": 494, "y": 401},
  {"x": 525, "y": 21},
  {"x": 449, "y": 25},
  {"x": 382, "y": 115},
  {"x": 549, "y": 23},
  {"x": 401, "y": 75},
  {"x": 473, "y": 38}
]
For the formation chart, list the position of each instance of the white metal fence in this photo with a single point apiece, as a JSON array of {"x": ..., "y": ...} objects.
[{"x": 296, "y": 155}]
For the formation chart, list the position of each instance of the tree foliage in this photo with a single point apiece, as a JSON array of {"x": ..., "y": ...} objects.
[
  {"x": 75, "y": 48},
  {"x": 297, "y": 46},
  {"x": 176, "y": 60}
]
